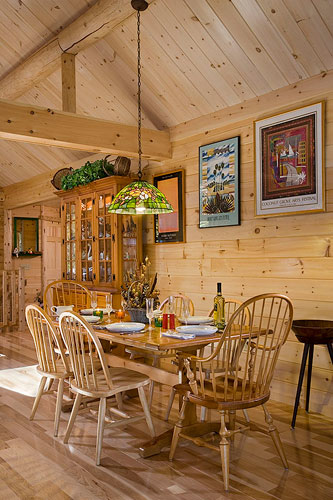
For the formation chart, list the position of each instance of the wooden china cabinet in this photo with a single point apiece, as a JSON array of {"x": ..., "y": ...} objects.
[{"x": 98, "y": 247}]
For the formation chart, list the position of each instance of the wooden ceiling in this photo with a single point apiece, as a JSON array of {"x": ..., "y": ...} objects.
[{"x": 198, "y": 56}]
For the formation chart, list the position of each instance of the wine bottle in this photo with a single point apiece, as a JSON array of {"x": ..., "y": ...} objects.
[{"x": 219, "y": 310}]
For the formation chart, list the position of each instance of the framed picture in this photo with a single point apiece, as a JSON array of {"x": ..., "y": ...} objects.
[
  {"x": 289, "y": 166},
  {"x": 219, "y": 191},
  {"x": 170, "y": 228}
]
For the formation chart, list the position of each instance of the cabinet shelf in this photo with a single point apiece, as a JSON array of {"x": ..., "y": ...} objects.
[{"x": 106, "y": 273}]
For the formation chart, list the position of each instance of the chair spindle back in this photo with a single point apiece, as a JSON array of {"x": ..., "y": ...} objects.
[
  {"x": 248, "y": 349},
  {"x": 46, "y": 339},
  {"x": 85, "y": 350},
  {"x": 178, "y": 301},
  {"x": 66, "y": 293}
]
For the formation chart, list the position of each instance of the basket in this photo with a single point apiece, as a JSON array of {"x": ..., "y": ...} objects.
[{"x": 138, "y": 315}]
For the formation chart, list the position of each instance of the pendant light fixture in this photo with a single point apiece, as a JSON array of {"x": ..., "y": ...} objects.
[{"x": 140, "y": 197}]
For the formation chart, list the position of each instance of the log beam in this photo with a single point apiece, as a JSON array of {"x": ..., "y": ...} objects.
[
  {"x": 91, "y": 26},
  {"x": 37, "y": 125},
  {"x": 68, "y": 82}
]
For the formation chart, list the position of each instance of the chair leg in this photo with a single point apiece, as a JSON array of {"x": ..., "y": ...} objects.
[
  {"x": 50, "y": 384},
  {"x": 224, "y": 449},
  {"x": 246, "y": 416},
  {"x": 58, "y": 406},
  {"x": 151, "y": 392},
  {"x": 100, "y": 429},
  {"x": 274, "y": 433},
  {"x": 203, "y": 414},
  {"x": 146, "y": 410},
  {"x": 308, "y": 384},
  {"x": 177, "y": 429},
  {"x": 300, "y": 382},
  {"x": 72, "y": 418},
  {"x": 330, "y": 350},
  {"x": 170, "y": 403},
  {"x": 119, "y": 400},
  {"x": 39, "y": 395},
  {"x": 232, "y": 423}
]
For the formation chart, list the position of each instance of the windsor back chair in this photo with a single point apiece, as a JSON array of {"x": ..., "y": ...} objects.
[
  {"x": 87, "y": 357},
  {"x": 247, "y": 387},
  {"x": 52, "y": 362}
]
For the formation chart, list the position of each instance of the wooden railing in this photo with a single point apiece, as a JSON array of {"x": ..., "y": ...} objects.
[{"x": 12, "y": 298}]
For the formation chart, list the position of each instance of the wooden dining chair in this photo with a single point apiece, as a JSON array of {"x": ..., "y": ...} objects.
[
  {"x": 238, "y": 388},
  {"x": 51, "y": 365},
  {"x": 178, "y": 301},
  {"x": 66, "y": 293},
  {"x": 86, "y": 356},
  {"x": 230, "y": 307}
]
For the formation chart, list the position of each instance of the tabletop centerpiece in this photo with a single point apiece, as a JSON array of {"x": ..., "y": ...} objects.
[{"x": 139, "y": 286}]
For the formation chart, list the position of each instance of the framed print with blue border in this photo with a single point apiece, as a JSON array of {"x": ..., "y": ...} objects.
[{"x": 219, "y": 185}]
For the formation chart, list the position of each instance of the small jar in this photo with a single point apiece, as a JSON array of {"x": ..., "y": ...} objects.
[{"x": 159, "y": 320}]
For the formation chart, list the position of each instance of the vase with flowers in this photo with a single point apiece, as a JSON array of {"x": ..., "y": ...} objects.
[{"x": 139, "y": 286}]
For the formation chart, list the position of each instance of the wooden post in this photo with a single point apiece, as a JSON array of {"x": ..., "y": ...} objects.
[
  {"x": 68, "y": 82},
  {"x": 21, "y": 300}
]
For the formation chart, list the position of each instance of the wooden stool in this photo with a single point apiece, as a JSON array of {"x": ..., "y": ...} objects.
[{"x": 311, "y": 332}]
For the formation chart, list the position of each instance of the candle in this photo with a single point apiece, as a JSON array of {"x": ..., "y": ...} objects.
[{"x": 120, "y": 314}]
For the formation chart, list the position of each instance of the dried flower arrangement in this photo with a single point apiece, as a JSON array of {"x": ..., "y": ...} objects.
[{"x": 138, "y": 286}]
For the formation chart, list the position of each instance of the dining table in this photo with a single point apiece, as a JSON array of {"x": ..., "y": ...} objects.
[
  {"x": 154, "y": 341},
  {"x": 158, "y": 342}
]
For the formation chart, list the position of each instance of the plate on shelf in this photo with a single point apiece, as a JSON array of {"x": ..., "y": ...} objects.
[
  {"x": 125, "y": 327},
  {"x": 89, "y": 312},
  {"x": 197, "y": 320},
  {"x": 92, "y": 319},
  {"x": 197, "y": 330}
]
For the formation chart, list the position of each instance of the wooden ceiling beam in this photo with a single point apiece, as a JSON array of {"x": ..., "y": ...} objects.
[
  {"x": 86, "y": 30},
  {"x": 68, "y": 82},
  {"x": 37, "y": 125}
]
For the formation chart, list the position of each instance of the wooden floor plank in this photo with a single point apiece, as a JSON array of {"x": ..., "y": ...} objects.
[{"x": 35, "y": 465}]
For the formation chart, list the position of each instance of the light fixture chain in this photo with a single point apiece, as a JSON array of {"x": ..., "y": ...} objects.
[{"x": 139, "y": 97}]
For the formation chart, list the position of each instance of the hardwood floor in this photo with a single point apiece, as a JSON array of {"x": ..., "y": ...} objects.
[{"x": 35, "y": 465}]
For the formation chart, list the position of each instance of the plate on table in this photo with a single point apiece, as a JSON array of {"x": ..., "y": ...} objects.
[
  {"x": 197, "y": 320},
  {"x": 197, "y": 330},
  {"x": 89, "y": 312},
  {"x": 92, "y": 319},
  {"x": 126, "y": 327}
]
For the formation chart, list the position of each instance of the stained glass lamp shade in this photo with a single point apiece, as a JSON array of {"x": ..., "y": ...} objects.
[{"x": 140, "y": 197}]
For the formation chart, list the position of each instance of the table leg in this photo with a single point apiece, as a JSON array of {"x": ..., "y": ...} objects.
[{"x": 300, "y": 382}]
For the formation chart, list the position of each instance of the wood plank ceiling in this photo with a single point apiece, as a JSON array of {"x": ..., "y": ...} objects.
[{"x": 198, "y": 56}]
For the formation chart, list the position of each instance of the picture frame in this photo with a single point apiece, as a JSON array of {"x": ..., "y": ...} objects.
[
  {"x": 219, "y": 183},
  {"x": 170, "y": 228},
  {"x": 289, "y": 162}
]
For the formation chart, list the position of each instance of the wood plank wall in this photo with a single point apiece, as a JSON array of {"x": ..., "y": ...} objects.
[
  {"x": 33, "y": 266},
  {"x": 291, "y": 254}
]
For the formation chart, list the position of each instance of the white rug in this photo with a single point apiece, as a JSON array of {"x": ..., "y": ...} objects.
[{"x": 24, "y": 380}]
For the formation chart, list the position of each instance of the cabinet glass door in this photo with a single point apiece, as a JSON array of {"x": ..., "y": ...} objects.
[
  {"x": 129, "y": 233},
  {"x": 86, "y": 258},
  {"x": 70, "y": 240},
  {"x": 104, "y": 237}
]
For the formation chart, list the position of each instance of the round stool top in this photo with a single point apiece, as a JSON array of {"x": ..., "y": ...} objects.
[{"x": 313, "y": 331}]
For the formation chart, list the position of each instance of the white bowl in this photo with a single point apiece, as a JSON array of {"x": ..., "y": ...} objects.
[
  {"x": 92, "y": 319},
  {"x": 125, "y": 327},
  {"x": 197, "y": 330},
  {"x": 196, "y": 320}
]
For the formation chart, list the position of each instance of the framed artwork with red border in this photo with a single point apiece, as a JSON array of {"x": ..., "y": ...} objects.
[{"x": 289, "y": 163}]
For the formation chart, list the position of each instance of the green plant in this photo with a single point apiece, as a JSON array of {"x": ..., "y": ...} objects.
[
  {"x": 139, "y": 286},
  {"x": 89, "y": 172}
]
